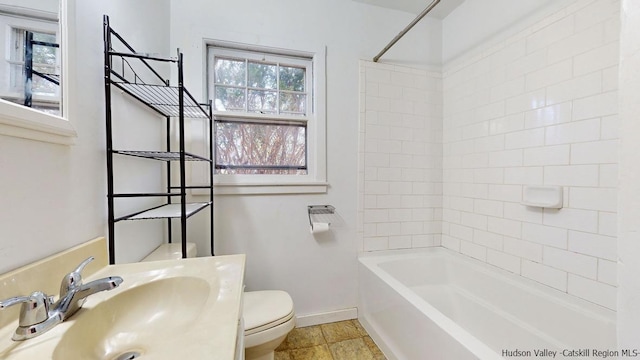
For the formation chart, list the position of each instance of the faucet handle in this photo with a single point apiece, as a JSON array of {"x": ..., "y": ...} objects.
[
  {"x": 34, "y": 310},
  {"x": 74, "y": 278},
  {"x": 83, "y": 264}
]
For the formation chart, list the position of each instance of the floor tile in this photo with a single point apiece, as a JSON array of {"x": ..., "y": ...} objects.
[
  {"x": 302, "y": 338},
  {"x": 339, "y": 331},
  {"x": 319, "y": 352},
  {"x": 351, "y": 350},
  {"x": 282, "y": 355},
  {"x": 359, "y": 327},
  {"x": 375, "y": 350},
  {"x": 343, "y": 340}
]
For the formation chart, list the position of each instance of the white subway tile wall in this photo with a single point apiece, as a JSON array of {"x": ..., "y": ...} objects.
[
  {"x": 538, "y": 108},
  {"x": 400, "y": 162},
  {"x": 444, "y": 157}
]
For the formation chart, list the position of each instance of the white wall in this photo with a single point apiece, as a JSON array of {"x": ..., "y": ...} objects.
[
  {"x": 538, "y": 108},
  {"x": 475, "y": 22},
  {"x": 400, "y": 158},
  {"x": 54, "y": 196},
  {"x": 629, "y": 194},
  {"x": 319, "y": 273}
]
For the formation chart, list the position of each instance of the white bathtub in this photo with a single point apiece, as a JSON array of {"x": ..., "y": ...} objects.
[{"x": 437, "y": 304}]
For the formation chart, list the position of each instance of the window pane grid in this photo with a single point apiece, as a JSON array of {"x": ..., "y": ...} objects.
[
  {"x": 262, "y": 87},
  {"x": 275, "y": 96}
]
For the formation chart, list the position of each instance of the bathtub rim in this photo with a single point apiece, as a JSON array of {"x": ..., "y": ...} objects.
[
  {"x": 372, "y": 260},
  {"x": 468, "y": 341}
]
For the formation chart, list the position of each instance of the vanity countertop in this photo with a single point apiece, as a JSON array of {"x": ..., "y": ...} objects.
[{"x": 165, "y": 309}]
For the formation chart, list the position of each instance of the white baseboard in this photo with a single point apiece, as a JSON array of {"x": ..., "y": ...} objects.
[{"x": 327, "y": 317}]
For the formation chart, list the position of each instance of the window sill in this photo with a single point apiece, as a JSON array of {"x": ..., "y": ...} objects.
[
  {"x": 272, "y": 189},
  {"x": 266, "y": 189},
  {"x": 21, "y": 122}
]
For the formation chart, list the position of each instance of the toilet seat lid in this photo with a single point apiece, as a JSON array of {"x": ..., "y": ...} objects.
[{"x": 266, "y": 307}]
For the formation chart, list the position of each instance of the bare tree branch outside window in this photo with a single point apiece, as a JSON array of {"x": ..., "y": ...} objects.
[{"x": 247, "y": 148}]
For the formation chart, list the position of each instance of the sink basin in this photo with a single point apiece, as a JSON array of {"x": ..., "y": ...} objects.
[
  {"x": 136, "y": 321},
  {"x": 172, "y": 309}
]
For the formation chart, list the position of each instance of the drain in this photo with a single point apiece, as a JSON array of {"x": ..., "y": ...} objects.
[{"x": 129, "y": 355}]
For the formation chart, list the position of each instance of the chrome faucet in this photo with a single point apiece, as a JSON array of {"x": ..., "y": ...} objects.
[{"x": 40, "y": 314}]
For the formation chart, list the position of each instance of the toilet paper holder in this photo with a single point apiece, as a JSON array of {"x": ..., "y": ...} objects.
[{"x": 319, "y": 209}]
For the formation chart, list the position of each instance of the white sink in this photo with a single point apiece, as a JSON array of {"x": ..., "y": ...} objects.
[{"x": 174, "y": 309}]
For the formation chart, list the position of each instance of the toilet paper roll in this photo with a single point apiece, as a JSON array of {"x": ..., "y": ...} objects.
[{"x": 319, "y": 227}]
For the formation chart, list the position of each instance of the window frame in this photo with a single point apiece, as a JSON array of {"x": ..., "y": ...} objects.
[
  {"x": 23, "y": 122},
  {"x": 315, "y": 179}
]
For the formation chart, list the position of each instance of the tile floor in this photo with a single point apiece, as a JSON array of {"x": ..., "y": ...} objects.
[{"x": 344, "y": 340}]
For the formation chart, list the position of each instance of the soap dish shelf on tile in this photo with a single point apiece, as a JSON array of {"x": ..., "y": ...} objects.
[{"x": 543, "y": 196}]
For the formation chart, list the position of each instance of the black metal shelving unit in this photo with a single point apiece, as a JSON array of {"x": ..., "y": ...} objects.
[{"x": 169, "y": 102}]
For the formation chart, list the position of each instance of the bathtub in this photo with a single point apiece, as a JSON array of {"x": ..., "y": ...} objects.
[{"x": 440, "y": 305}]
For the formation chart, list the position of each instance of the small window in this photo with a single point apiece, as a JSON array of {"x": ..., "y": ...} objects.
[
  {"x": 46, "y": 120},
  {"x": 263, "y": 104},
  {"x": 43, "y": 91},
  {"x": 45, "y": 60}
]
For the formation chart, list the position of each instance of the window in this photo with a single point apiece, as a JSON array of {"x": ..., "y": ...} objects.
[
  {"x": 269, "y": 116},
  {"x": 45, "y": 88},
  {"x": 267, "y": 99},
  {"x": 17, "y": 120}
]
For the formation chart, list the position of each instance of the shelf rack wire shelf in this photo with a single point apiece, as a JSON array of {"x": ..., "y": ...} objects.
[
  {"x": 170, "y": 102},
  {"x": 161, "y": 155}
]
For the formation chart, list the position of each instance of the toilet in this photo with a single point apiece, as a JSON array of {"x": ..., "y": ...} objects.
[{"x": 268, "y": 318}]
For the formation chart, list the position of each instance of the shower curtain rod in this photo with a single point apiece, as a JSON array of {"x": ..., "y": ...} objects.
[{"x": 406, "y": 29}]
